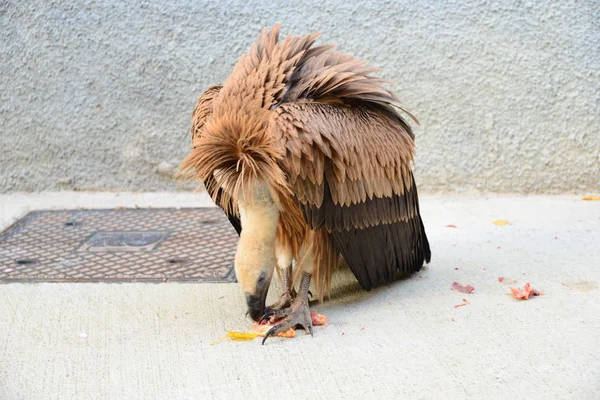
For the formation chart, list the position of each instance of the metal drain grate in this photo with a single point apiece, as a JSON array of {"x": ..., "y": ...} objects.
[{"x": 119, "y": 245}]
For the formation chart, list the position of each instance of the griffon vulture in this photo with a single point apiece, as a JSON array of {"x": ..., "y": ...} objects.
[{"x": 305, "y": 152}]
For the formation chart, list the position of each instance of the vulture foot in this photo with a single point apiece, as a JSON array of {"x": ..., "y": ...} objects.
[
  {"x": 289, "y": 294},
  {"x": 297, "y": 314}
]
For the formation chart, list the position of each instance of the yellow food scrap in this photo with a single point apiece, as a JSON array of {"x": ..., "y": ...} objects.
[
  {"x": 500, "y": 222},
  {"x": 591, "y": 197},
  {"x": 242, "y": 335},
  {"x": 237, "y": 336}
]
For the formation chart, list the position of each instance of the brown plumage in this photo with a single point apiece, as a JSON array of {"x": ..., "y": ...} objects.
[{"x": 308, "y": 132}]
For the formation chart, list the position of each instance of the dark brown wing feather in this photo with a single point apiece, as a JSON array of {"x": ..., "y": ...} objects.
[{"x": 377, "y": 252}]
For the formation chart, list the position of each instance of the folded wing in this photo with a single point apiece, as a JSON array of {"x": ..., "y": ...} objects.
[{"x": 350, "y": 167}]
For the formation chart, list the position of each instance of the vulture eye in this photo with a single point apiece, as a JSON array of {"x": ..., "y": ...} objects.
[{"x": 262, "y": 278}]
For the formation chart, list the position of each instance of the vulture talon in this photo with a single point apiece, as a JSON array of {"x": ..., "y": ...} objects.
[
  {"x": 269, "y": 333},
  {"x": 266, "y": 316}
]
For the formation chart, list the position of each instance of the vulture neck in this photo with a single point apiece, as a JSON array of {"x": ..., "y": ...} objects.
[{"x": 256, "y": 249}]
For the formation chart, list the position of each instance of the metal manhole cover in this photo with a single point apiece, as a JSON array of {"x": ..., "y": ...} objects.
[{"x": 119, "y": 245}]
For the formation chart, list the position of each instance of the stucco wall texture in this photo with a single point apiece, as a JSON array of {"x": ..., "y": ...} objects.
[{"x": 97, "y": 95}]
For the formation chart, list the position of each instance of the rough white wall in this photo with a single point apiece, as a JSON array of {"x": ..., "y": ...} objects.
[{"x": 97, "y": 94}]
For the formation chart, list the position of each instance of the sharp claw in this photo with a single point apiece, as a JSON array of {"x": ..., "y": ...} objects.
[
  {"x": 310, "y": 329},
  {"x": 269, "y": 333},
  {"x": 310, "y": 294},
  {"x": 267, "y": 315}
]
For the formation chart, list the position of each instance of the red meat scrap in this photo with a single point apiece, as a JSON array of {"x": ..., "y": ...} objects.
[
  {"x": 525, "y": 293},
  {"x": 318, "y": 319},
  {"x": 461, "y": 288}
]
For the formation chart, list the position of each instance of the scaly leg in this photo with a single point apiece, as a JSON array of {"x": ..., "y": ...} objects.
[
  {"x": 298, "y": 313},
  {"x": 283, "y": 254},
  {"x": 285, "y": 300}
]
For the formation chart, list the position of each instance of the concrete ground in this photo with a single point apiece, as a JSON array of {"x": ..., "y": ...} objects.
[{"x": 405, "y": 340}]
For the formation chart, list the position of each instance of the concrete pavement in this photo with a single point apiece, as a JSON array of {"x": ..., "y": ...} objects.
[{"x": 405, "y": 340}]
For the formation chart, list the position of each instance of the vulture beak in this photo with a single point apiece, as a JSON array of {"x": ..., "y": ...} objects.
[{"x": 256, "y": 301}]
